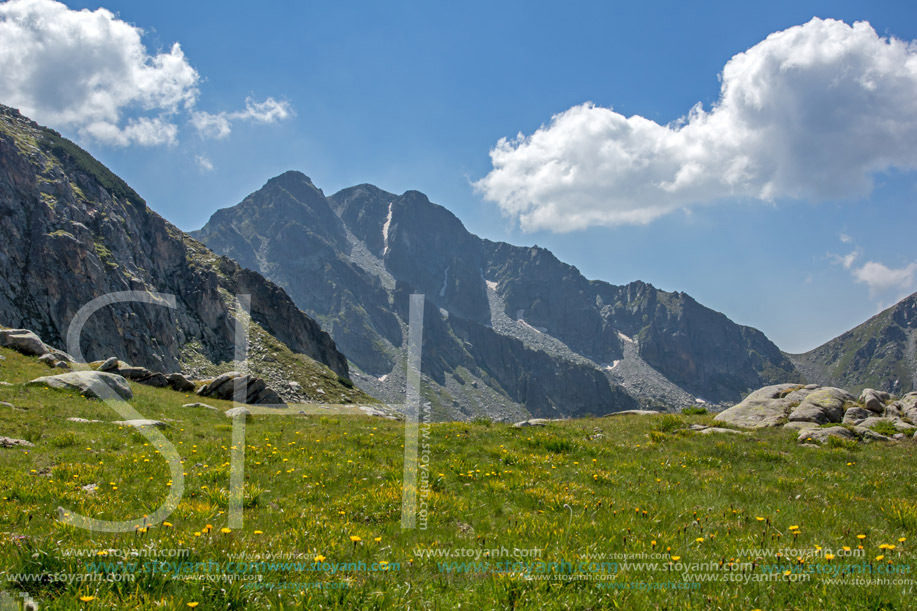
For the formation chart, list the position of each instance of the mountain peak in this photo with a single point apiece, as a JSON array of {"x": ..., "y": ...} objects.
[{"x": 292, "y": 178}]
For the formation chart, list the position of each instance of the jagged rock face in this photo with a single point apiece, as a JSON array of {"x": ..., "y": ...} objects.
[
  {"x": 546, "y": 386},
  {"x": 881, "y": 353},
  {"x": 288, "y": 231},
  {"x": 551, "y": 295},
  {"x": 397, "y": 244},
  {"x": 71, "y": 231}
]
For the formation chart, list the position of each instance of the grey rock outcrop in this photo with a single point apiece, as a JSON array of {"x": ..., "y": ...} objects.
[
  {"x": 874, "y": 400},
  {"x": 907, "y": 406},
  {"x": 254, "y": 390},
  {"x": 93, "y": 384},
  {"x": 821, "y": 406},
  {"x": 111, "y": 364},
  {"x": 180, "y": 383},
  {"x": 856, "y": 415},
  {"x": 71, "y": 231},
  {"x": 817, "y": 435},
  {"x": 27, "y": 342},
  {"x": 870, "y": 435},
  {"x": 898, "y": 423},
  {"x": 142, "y": 375},
  {"x": 766, "y": 407},
  {"x": 808, "y": 408}
]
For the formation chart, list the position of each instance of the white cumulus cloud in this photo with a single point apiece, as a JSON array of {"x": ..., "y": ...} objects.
[
  {"x": 91, "y": 72},
  {"x": 811, "y": 112}
]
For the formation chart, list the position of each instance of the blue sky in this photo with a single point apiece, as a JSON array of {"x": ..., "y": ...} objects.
[{"x": 417, "y": 95}]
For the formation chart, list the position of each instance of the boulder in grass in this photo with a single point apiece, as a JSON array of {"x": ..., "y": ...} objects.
[
  {"x": 899, "y": 424},
  {"x": 200, "y": 405},
  {"x": 634, "y": 412},
  {"x": 254, "y": 391},
  {"x": 870, "y": 435},
  {"x": 716, "y": 430},
  {"x": 822, "y": 406},
  {"x": 24, "y": 341},
  {"x": 141, "y": 422},
  {"x": 110, "y": 364},
  {"x": 95, "y": 384},
  {"x": 238, "y": 411},
  {"x": 907, "y": 406},
  {"x": 532, "y": 422},
  {"x": 874, "y": 400},
  {"x": 822, "y": 435},
  {"x": 179, "y": 382},
  {"x": 28, "y": 343},
  {"x": 144, "y": 376},
  {"x": 220, "y": 386},
  {"x": 798, "y": 425},
  {"x": 9, "y": 442},
  {"x": 766, "y": 407},
  {"x": 856, "y": 415}
]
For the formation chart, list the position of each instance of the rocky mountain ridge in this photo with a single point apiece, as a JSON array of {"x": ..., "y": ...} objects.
[
  {"x": 72, "y": 231},
  {"x": 350, "y": 259}
]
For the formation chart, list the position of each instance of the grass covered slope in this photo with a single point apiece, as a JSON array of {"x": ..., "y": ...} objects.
[
  {"x": 881, "y": 353},
  {"x": 682, "y": 505}
]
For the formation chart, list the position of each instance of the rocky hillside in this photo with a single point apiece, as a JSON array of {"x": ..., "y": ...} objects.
[
  {"x": 881, "y": 353},
  {"x": 510, "y": 330},
  {"x": 71, "y": 231}
]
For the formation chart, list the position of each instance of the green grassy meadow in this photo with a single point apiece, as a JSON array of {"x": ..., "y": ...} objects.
[{"x": 606, "y": 513}]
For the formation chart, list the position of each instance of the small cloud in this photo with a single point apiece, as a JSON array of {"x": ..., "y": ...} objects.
[
  {"x": 886, "y": 284},
  {"x": 850, "y": 258},
  {"x": 204, "y": 163},
  {"x": 882, "y": 279},
  {"x": 847, "y": 260},
  {"x": 210, "y": 125},
  {"x": 219, "y": 125},
  {"x": 268, "y": 111}
]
